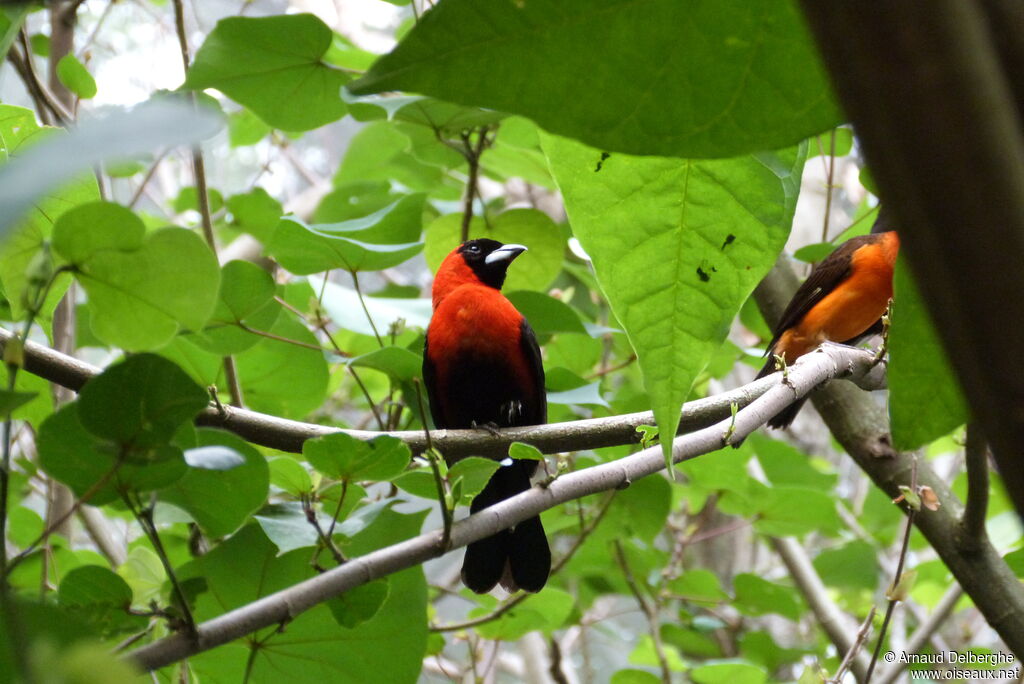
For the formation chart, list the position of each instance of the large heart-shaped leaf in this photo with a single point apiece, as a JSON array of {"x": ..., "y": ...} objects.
[
  {"x": 274, "y": 66},
  {"x": 142, "y": 288},
  {"x": 677, "y": 245}
]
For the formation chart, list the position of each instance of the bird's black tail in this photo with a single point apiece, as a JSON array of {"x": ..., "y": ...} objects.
[
  {"x": 519, "y": 557},
  {"x": 785, "y": 417}
]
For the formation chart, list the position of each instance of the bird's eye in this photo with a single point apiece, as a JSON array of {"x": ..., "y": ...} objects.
[{"x": 473, "y": 249}]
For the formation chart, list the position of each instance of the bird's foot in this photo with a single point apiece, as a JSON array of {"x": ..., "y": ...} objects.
[{"x": 489, "y": 426}]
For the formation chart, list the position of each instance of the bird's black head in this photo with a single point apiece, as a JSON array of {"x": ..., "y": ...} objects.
[{"x": 489, "y": 259}]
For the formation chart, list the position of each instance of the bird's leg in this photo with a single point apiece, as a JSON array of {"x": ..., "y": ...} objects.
[
  {"x": 780, "y": 364},
  {"x": 489, "y": 426},
  {"x": 884, "y": 347}
]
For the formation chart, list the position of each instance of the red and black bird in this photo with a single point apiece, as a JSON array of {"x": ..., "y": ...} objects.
[
  {"x": 842, "y": 300},
  {"x": 482, "y": 368}
]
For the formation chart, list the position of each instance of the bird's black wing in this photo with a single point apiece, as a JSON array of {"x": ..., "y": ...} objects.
[
  {"x": 536, "y": 412},
  {"x": 430, "y": 382}
]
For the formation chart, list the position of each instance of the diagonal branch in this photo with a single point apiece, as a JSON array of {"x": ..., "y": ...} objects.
[
  {"x": 284, "y": 605},
  {"x": 289, "y": 435}
]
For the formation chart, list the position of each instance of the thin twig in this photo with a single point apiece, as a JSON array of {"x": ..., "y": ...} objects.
[
  {"x": 862, "y": 636},
  {"x": 202, "y": 193},
  {"x": 472, "y": 153},
  {"x": 651, "y": 612},
  {"x": 144, "y": 514},
  {"x": 893, "y": 599},
  {"x": 828, "y": 181},
  {"x": 145, "y": 179},
  {"x": 362, "y": 302}
]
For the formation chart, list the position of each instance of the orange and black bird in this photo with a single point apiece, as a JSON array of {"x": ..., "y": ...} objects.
[
  {"x": 842, "y": 300},
  {"x": 482, "y": 368}
]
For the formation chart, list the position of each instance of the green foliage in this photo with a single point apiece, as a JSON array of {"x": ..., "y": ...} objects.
[
  {"x": 925, "y": 401},
  {"x": 381, "y": 240},
  {"x": 142, "y": 287},
  {"x": 713, "y": 79},
  {"x": 676, "y": 284},
  {"x": 637, "y": 283},
  {"x": 76, "y": 77},
  {"x": 273, "y": 66}
]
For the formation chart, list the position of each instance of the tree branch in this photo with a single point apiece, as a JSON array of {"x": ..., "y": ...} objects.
[
  {"x": 972, "y": 523},
  {"x": 861, "y": 427},
  {"x": 288, "y": 435},
  {"x": 840, "y": 629},
  {"x": 286, "y": 604}
]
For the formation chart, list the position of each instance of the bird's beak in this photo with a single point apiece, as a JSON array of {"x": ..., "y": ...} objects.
[{"x": 504, "y": 253}]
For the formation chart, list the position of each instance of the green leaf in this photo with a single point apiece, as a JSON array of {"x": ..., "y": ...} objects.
[
  {"x": 289, "y": 475},
  {"x": 354, "y": 199},
  {"x": 76, "y": 77},
  {"x": 443, "y": 117},
  {"x": 140, "y": 403},
  {"x": 286, "y": 525},
  {"x": 814, "y": 253},
  {"x": 343, "y": 457},
  {"x": 220, "y": 498},
  {"x": 756, "y": 596},
  {"x": 91, "y": 584},
  {"x": 638, "y": 511},
  {"x": 791, "y": 511},
  {"x": 19, "y": 132},
  {"x": 273, "y": 65},
  {"x": 925, "y": 401},
  {"x": 473, "y": 473},
  {"x": 525, "y": 451},
  {"x": 245, "y": 128},
  {"x": 401, "y": 365},
  {"x": 545, "y": 611},
  {"x": 546, "y": 314},
  {"x": 67, "y": 452},
  {"x": 246, "y": 300},
  {"x": 534, "y": 270},
  {"x": 358, "y": 605},
  {"x": 345, "y": 308},
  {"x": 100, "y": 597},
  {"x": 11, "y": 400},
  {"x": 712, "y": 79},
  {"x": 188, "y": 199},
  {"x": 785, "y": 465},
  {"x": 677, "y": 246},
  {"x": 313, "y": 647},
  {"x": 850, "y": 566},
  {"x": 281, "y": 378},
  {"x": 585, "y": 394},
  {"x": 255, "y": 212},
  {"x": 728, "y": 673},
  {"x": 698, "y": 586},
  {"x": 381, "y": 240},
  {"x": 142, "y": 288},
  {"x": 630, "y": 676}
]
